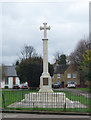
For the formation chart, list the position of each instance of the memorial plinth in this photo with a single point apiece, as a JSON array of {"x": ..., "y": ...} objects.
[
  {"x": 45, "y": 83},
  {"x": 45, "y": 100}
]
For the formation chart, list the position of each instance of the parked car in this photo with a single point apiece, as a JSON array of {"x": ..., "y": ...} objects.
[
  {"x": 25, "y": 86},
  {"x": 71, "y": 85},
  {"x": 56, "y": 86},
  {"x": 16, "y": 86}
]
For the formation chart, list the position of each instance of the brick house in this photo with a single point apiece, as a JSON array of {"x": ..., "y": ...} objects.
[{"x": 64, "y": 74}]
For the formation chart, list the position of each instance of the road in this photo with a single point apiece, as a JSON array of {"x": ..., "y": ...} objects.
[{"x": 19, "y": 115}]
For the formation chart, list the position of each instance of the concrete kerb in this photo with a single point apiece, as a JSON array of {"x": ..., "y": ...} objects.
[{"x": 45, "y": 112}]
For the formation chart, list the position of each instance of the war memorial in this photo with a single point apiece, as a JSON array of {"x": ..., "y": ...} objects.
[{"x": 45, "y": 97}]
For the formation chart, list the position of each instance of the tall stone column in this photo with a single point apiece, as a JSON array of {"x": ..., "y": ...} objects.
[
  {"x": 45, "y": 79},
  {"x": 45, "y": 56}
]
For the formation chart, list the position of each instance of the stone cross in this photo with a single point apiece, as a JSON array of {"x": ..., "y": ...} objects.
[
  {"x": 45, "y": 28},
  {"x": 45, "y": 79}
]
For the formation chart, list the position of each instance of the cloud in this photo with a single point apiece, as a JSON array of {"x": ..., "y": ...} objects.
[{"x": 21, "y": 22}]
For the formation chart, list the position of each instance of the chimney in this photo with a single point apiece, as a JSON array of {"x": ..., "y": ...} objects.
[{"x": 56, "y": 61}]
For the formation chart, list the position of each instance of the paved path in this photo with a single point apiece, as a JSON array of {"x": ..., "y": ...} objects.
[
  {"x": 11, "y": 115},
  {"x": 75, "y": 91}
]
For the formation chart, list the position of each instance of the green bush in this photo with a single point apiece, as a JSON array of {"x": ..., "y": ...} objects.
[{"x": 6, "y": 87}]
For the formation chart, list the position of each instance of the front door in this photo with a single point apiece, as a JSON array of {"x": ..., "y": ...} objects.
[{"x": 14, "y": 81}]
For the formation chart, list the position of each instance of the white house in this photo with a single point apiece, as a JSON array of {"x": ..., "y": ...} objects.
[{"x": 9, "y": 77}]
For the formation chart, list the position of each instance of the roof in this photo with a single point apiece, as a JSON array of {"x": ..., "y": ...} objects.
[
  {"x": 60, "y": 69},
  {"x": 9, "y": 71}
]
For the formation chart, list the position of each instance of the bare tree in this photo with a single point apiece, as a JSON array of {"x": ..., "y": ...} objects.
[
  {"x": 28, "y": 52},
  {"x": 56, "y": 56},
  {"x": 76, "y": 56}
]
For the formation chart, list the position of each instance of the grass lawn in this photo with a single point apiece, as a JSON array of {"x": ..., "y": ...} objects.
[
  {"x": 16, "y": 96},
  {"x": 80, "y": 110},
  {"x": 53, "y": 109},
  {"x": 84, "y": 89},
  {"x": 0, "y": 99}
]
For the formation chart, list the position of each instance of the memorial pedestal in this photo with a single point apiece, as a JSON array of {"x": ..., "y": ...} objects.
[{"x": 45, "y": 83}]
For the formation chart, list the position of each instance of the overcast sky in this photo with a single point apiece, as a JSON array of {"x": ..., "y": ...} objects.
[{"x": 69, "y": 22}]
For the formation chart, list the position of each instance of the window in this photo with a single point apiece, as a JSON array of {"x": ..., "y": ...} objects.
[
  {"x": 74, "y": 75},
  {"x": 58, "y": 76},
  {"x": 68, "y": 75}
]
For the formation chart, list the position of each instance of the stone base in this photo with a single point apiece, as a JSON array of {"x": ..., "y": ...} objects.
[
  {"x": 46, "y": 83},
  {"x": 45, "y": 100},
  {"x": 69, "y": 104},
  {"x": 46, "y": 89}
]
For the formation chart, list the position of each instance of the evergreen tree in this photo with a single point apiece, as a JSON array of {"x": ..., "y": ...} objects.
[
  {"x": 30, "y": 70},
  {"x": 62, "y": 59}
]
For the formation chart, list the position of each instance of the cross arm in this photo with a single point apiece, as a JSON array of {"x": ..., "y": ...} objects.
[
  {"x": 41, "y": 28},
  {"x": 48, "y": 28}
]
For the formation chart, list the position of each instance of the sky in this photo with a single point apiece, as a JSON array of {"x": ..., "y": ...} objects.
[{"x": 21, "y": 21}]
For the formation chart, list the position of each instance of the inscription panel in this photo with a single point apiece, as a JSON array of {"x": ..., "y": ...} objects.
[{"x": 45, "y": 81}]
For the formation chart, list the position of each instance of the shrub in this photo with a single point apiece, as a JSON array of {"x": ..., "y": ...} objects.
[{"x": 6, "y": 87}]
